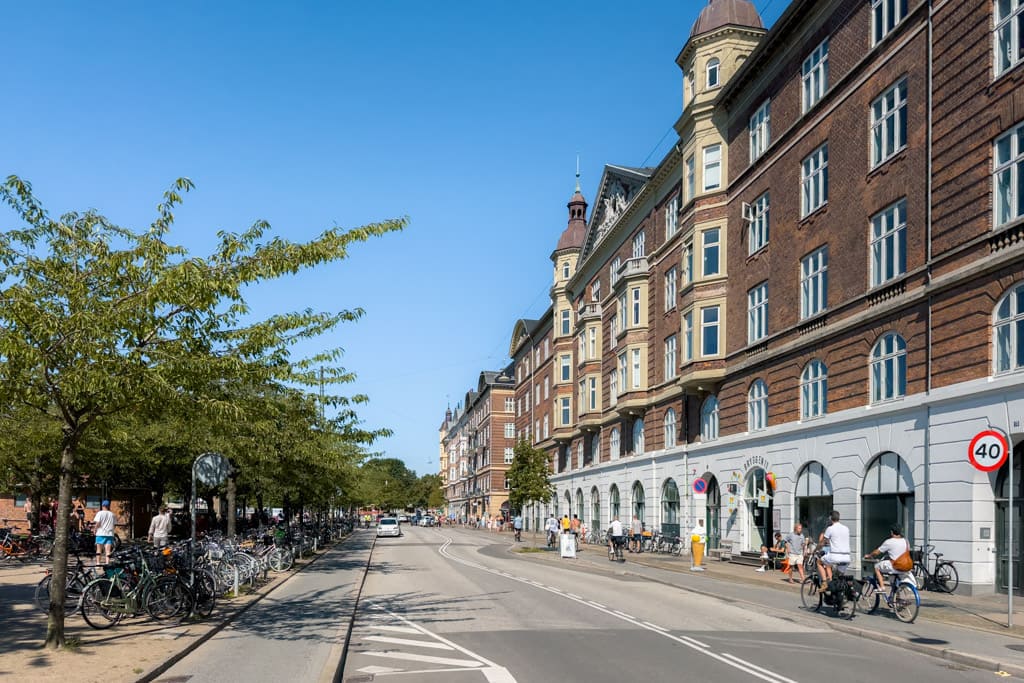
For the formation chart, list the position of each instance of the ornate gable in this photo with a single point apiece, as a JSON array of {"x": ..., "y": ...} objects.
[{"x": 619, "y": 187}]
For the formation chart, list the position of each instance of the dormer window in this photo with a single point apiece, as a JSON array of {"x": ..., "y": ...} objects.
[
  {"x": 565, "y": 270},
  {"x": 712, "y": 73}
]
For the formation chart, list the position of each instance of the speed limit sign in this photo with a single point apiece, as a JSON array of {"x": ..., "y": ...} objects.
[{"x": 988, "y": 450}]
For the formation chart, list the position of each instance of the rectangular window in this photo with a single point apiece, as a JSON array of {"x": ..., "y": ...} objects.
[
  {"x": 636, "y": 307},
  {"x": 510, "y": 404},
  {"x": 711, "y": 252},
  {"x": 545, "y": 426},
  {"x": 613, "y": 387},
  {"x": 814, "y": 74},
  {"x": 688, "y": 336},
  {"x": 709, "y": 331},
  {"x": 712, "y": 167},
  {"x": 687, "y": 263},
  {"x": 623, "y": 312},
  {"x": 547, "y": 349},
  {"x": 889, "y": 244},
  {"x": 691, "y": 178},
  {"x": 814, "y": 181},
  {"x": 510, "y": 430},
  {"x": 622, "y": 370},
  {"x": 670, "y": 288},
  {"x": 636, "y": 368},
  {"x": 614, "y": 270},
  {"x": 1009, "y": 34},
  {"x": 510, "y": 454},
  {"x": 566, "y": 371},
  {"x": 889, "y": 123},
  {"x": 814, "y": 283},
  {"x": 547, "y": 387},
  {"x": 672, "y": 218},
  {"x": 639, "y": 245},
  {"x": 613, "y": 323},
  {"x": 592, "y": 334},
  {"x": 1008, "y": 176},
  {"x": 583, "y": 345},
  {"x": 670, "y": 357},
  {"x": 566, "y": 414},
  {"x": 595, "y": 291},
  {"x": 760, "y": 135},
  {"x": 593, "y": 393},
  {"x": 757, "y": 313},
  {"x": 758, "y": 223},
  {"x": 565, "y": 322},
  {"x": 92, "y": 502},
  {"x": 885, "y": 15},
  {"x": 536, "y": 395}
]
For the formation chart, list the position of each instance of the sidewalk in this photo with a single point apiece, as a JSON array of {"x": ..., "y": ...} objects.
[{"x": 970, "y": 630}]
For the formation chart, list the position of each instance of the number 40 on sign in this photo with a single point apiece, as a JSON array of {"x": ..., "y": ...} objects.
[{"x": 988, "y": 450}]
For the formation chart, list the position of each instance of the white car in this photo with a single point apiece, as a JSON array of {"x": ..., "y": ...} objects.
[{"x": 388, "y": 526}]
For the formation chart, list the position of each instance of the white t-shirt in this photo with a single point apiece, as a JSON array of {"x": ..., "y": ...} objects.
[
  {"x": 616, "y": 528},
  {"x": 552, "y": 524},
  {"x": 894, "y": 547},
  {"x": 104, "y": 521},
  {"x": 838, "y": 536}
]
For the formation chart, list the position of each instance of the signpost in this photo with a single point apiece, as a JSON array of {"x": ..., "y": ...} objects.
[
  {"x": 211, "y": 469},
  {"x": 987, "y": 452},
  {"x": 700, "y": 489}
]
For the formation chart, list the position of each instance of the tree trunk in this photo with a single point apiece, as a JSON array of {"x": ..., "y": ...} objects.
[
  {"x": 231, "y": 505},
  {"x": 55, "y": 619}
]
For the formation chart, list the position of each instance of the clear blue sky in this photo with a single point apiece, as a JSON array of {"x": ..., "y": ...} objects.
[{"x": 466, "y": 117}]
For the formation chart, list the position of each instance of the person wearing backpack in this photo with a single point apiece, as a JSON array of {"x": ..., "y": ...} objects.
[{"x": 898, "y": 559}]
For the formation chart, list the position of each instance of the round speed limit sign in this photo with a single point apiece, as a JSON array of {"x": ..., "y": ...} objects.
[{"x": 988, "y": 450}]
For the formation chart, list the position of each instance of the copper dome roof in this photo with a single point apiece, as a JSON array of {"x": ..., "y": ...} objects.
[{"x": 721, "y": 13}]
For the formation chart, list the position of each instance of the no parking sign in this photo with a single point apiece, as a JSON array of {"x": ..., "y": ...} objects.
[{"x": 700, "y": 488}]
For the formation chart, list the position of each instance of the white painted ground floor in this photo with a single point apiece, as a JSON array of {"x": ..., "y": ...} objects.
[{"x": 904, "y": 462}]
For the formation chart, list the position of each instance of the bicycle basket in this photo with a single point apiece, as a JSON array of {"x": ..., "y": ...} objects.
[{"x": 916, "y": 555}]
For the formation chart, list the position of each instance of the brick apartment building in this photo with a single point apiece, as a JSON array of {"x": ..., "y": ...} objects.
[
  {"x": 476, "y": 449},
  {"x": 813, "y": 301}
]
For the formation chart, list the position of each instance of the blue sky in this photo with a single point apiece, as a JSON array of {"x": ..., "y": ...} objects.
[{"x": 465, "y": 117}]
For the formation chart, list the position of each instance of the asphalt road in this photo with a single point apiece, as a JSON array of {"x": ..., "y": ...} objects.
[{"x": 450, "y": 605}]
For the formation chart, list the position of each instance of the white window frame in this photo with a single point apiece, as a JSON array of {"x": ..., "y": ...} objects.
[
  {"x": 510, "y": 454},
  {"x": 565, "y": 270},
  {"x": 510, "y": 404},
  {"x": 691, "y": 177},
  {"x": 712, "y": 168},
  {"x": 510, "y": 430},
  {"x": 885, "y": 17},
  {"x": 592, "y": 390},
  {"x": 670, "y": 428},
  {"x": 672, "y": 218},
  {"x": 687, "y": 320},
  {"x": 595, "y": 291},
  {"x": 760, "y": 130},
  {"x": 889, "y": 123},
  {"x": 813, "y": 390},
  {"x": 636, "y": 368},
  {"x": 709, "y": 419},
  {"x": 623, "y": 372},
  {"x": 757, "y": 406},
  {"x": 565, "y": 411},
  {"x": 814, "y": 283},
  {"x": 546, "y": 426},
  {"x": 592, "y": 335},
  {"x": 671, "y": 275},
  {"x": 566, "y": 322},
  {"x": 814, "y": 181},
  {"x": 706, "y": 326},
  {"x": 638, "y": 436},
  {"x": 613, "y": 387},
  {"x": 671, "y": 358},
  {"x": 636, "y": 307},
  {"x": 614, "y": 269},
  {"x": 757, "y": 312},
  {"x": 687, "y": 260},
  {"x": 623, "y": 312},
  {"x": 889, "y": 243},
  {"x": 1006, "y": 36},
  {"x": 1007, "y": 170},
  {"x": 614, "y": 444},
  {"x": 711, "y": 247},
  {"x": 713, "y": 73},
  {"x": 639, "y": 245},
  {"x": 758, "y": 230},
  {"x": 566, "y": 363},
  {"x": 613, "y": 323},
  {"x": 1008, "y": 332},
  {"x": 814, "y": 76},
  {"x": 888, "y": 368}
]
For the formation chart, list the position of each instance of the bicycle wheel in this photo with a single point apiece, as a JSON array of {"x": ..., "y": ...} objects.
[
  {"x": 847, "y": 607},
  {"x": 905, "y": 604},
  {"x": 946, "y": 577},
  {"x": 868, "y": 598},
  {"x": 920, "y": 575},
  {"x": 204, "y": 590},
  {"x": 280, "y": 560},
  {"x": 810, "y": 594},
  {"x": 168, "y": 598},
  {"x": 72, "y": 595},
  {"x": 41, "y": 597},
  {"x": 100, "y": 603}
]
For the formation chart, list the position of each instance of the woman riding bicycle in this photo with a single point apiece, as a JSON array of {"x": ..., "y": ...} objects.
[{"x": 894, "y": 547}]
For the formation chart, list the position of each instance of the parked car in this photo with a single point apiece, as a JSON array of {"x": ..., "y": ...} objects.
[
  {"x": 403, "y": 519},
  {"x": 388, "y": 526},
  {"x": 427, "y": 521}
]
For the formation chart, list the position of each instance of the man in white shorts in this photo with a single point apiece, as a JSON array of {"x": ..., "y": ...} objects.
[
  {"x": 837, "y": 536},
  {"x": 893, "y": 547}
]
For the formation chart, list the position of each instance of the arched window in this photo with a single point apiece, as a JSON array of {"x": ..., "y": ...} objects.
[
  {"x": 614, "y": 444},
  {"x": 670, "y": 503},
  {"x": 638, "y": 501},
  {"x": 1008, "y": 331},
  {"x": 709, "y": 419},
  {"x": 565, "y": 270},
  {"x": 713, "y": 79},
  {"x": 613, "y": 503},
  {"x": 638, "y": 436},
  {"x": 757, "y": 406},
  {"x": 888, "y": 368},
  {"x": 670, "y": 428},
  {"x": 813, "y": 390},
  {"x": 887, "y": 498},
  {"x": 579, "y": 504},
  {"x": 595, "y": 510},
  {"x": 813, "y": 495},
  {"x": 579, "y": 458}
]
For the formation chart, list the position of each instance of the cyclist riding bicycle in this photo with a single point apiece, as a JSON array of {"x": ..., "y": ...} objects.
[
  {"x": 837, "y": 536},
  {"x": 893, "y": 547},
  {"x": 552, "y": 528},
  {"x": 616, "y": 537}
]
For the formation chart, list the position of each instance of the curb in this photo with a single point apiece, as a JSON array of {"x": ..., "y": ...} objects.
[
  {"x": 340, "y": 668},
  {"x": 228, "y": 619},
  {"x": 947, "y": 654}
]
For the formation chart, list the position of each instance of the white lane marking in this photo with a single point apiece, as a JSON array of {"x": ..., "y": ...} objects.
[
  {"x": 623, "y": 614},
  {"x": 396, "y": 629},
  {"x": 408, "y": 656},
  {"x": 378, "y": 670},
  {"x": 696, "y": 645},
  {"x": 573, "y": 595},
  {"x": 499, "y": 675},
  {"x": 660, "y": 628},
  {"x": 408, "y": 641},
  {"x": 595, "y": 604}
]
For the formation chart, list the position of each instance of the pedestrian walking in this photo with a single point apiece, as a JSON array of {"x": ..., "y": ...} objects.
[
  {"x": 795, "y": 551},
  {"x": 698, "y": 537},
  {"x": 104, "y": 521},
  {"x": 160, "y": 528},
  {"x": 517, "y": 526},
  {"x": 636, "y": 535}
]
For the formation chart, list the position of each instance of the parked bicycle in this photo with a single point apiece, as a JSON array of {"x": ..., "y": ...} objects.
[
  {"x": 943, "y": 577},
  {"x": 23, "y": 548},
  {"x": 130, "y": 588},
  {"x": 77, "y": 580},
  {"x": 902, "y": 598}
]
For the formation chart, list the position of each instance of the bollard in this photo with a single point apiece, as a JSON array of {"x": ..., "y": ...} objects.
[
  {"x": 315, "y": 540},
  {"x": 235, "y": 568}
]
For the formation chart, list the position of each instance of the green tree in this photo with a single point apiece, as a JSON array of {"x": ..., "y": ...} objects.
[
  {"x": 97, "y": 320},
  {"x": 528, "y": 477}
]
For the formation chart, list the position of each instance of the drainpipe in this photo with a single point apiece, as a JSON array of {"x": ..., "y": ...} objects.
[{"x": 928, "y": 281}]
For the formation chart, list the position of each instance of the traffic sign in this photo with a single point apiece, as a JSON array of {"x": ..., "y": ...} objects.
[
  {"x": 700, "y": 486},
  {"x": 988, "y": 450}
]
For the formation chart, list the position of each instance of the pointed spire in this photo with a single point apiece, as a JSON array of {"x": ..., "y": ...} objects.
[{"x": 577, "y": 171}]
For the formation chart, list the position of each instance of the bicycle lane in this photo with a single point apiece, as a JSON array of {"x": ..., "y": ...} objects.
[
  {"x": 980, "y": 649},
  {"x": 297, "y": 632}
]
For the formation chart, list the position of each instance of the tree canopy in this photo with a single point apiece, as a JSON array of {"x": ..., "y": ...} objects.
[{"x": 528, "y": 477}]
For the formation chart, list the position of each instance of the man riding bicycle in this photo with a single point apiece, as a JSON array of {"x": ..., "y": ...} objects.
[
  {"x": 837, "y": 536},
  {"x": 616, "y": 537},
  {"x": 893, "y": 547}
]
